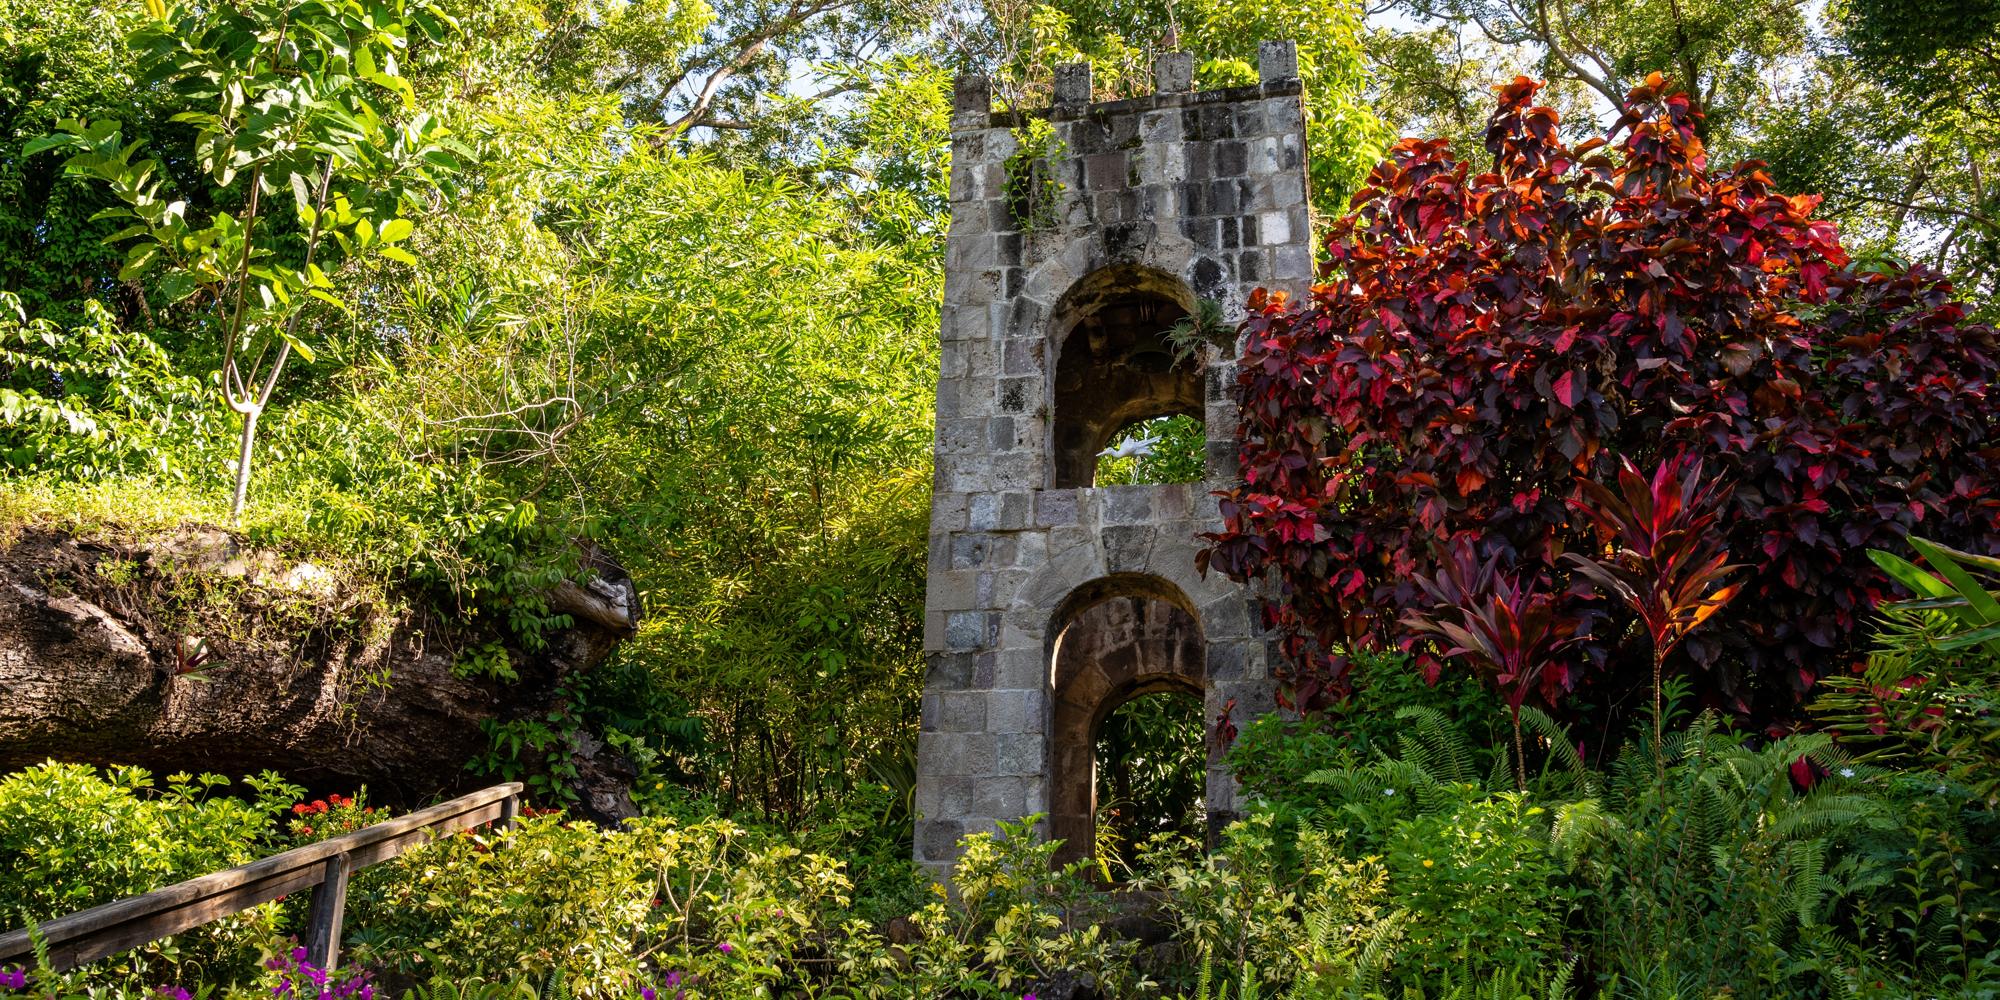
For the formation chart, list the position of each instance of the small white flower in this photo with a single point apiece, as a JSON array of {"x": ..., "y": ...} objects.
[
  {"x": 1847, "y": 772},
  {"x": 1940, "y": 789},
  {"x": 1391, "y": 791}
]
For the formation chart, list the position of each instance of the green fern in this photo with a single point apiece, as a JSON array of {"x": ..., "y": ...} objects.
[
  {"x": 1246, "y": 989},
  {"x": 556, "y": 986},
  {"x": 1712, "y": 865},
  {"x": 1205, "y": 326}
]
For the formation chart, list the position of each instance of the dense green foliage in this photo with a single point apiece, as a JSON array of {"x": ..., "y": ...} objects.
[
  {"x": 71, "y": 839},
  {"x": 660, "y": 279},
  {"x": 1152, "y": 763},
  {"x": 717, "y": 370}
]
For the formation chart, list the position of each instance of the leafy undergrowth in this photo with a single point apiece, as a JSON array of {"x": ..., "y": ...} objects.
[{"x": 1727, "y": 866}]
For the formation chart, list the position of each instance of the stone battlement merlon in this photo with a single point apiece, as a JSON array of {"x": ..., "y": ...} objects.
[{"x": 1173, "y": 87}]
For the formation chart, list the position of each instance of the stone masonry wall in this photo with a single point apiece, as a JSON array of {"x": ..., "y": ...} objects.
[{"x": 1190, "y": 195}]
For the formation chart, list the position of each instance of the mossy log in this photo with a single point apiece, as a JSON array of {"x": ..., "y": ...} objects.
[{"x": 192, "y": 651}]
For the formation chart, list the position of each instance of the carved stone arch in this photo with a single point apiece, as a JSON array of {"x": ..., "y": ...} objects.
[{"x": 1111, "y": 640}]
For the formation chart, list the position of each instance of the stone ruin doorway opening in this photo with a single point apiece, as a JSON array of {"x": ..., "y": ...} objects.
[
  {"x": 1152, "y": 772},
  {"x": 1114, "y": 641},
  {"x": 1117, "y": 379}
]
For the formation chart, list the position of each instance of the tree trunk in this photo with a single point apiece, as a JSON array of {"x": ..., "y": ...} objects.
[
  {"x": 243, "y": 454},
  {"x": 191, "y": 652}
]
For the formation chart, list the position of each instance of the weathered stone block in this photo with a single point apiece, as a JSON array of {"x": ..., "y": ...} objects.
[
  {"x": 1291, "y": 262},
  {"x": 937, "y": 839},
  {"x": 949, "y": 671},
  {"x": 1128, "y": 548},
  {"x": 1020, "y": 395},
  {"x": 1277, "y": 61},
  {"x": 1019, "y": 711},
  {"x": 1055, "y": 507},
  {"x": 1030, "y": 549},
  {"x": 951, "y": 591},
  {"x": 982, "y": 514},
  {"x": 1274, "y": 228},
  {"x": 1015, "y": 509},
  {"x": 1021, "y": 753},
  {"x": 1173, "y": 73},
  {"x": 1072, "y": 87},
  {"x": 1019, "y": 668},
  {"x": 968, "y": 629},
  {"x": 1024, "y": 357},
  {"x": 972, "y": 93},
  {"x": 1001, "y": 796},
  {"x": 958, "y": 712}
]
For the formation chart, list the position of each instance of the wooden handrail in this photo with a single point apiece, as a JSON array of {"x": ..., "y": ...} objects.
[{"x": 88, "y": 935}]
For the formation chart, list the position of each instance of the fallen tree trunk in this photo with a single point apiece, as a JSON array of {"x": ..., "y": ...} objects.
[{"x": 190, "y": 651}]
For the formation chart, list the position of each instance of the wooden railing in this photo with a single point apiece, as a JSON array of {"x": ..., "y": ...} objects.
[{"x": 324, "y": 868}]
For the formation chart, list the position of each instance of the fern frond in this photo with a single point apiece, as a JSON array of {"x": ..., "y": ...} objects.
[
  {"x": 1559, "y": 985},
  {"x": 1436, "y": 745},
  {"x": 1562, "y": 748}
]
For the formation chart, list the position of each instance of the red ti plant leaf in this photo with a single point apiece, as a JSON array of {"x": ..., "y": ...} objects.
[
  {"x": 1662, "y": 555},
  {"x": 1510, "y": 631}
]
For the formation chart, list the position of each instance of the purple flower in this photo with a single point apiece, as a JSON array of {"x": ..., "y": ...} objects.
[
  {"x": 646, "y": 993},
  {"x": 14, "y": 979},
  {"x": 673, "y": 979},
  {"x": 725, "y": 947},
  {"x": 171, "y": 993}
]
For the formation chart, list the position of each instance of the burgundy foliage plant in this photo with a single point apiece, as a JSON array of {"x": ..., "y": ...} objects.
[{"x": 1484, "y": 340}]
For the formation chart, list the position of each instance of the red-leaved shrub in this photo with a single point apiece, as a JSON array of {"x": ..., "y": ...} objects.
[{"x": 1483, "y": 341}]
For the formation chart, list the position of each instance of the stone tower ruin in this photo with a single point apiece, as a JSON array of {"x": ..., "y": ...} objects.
[{"x": 1052, "y": 601}]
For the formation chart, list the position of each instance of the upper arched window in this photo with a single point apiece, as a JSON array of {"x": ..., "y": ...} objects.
[{"x": 1116, "y": 368}]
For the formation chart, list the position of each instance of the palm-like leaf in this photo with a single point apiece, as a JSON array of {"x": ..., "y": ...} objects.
[
  {"x": 1505, "y": 627},
  {"x": 1662, "y": 556}
]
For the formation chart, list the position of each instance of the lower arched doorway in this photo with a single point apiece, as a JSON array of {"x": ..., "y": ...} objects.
[
  {"x": 1152, "y": 774},
  {"x": 1124, "y": 643}
]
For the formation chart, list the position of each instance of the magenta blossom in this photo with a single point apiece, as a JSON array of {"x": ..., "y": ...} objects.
[{"x": 725, "y": 947}]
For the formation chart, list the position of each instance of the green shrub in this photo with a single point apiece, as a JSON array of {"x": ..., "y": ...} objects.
[
  {"x": 1484, "y": 889},
  {"x": 1007, "y": 926},
  {"x": 1275, "y": 755},
  {"x": 72, "y": 837}
]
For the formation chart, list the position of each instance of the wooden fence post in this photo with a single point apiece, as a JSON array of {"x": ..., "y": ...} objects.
[
  {"x": 510, "y": 807},
  {"x": 329, "y": 898}
]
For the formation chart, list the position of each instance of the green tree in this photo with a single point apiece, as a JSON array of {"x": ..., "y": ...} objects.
[
  {"x": 57, "y": 61},
  {"x": 1721, "y": 52},
  {"x": 1937, "y": 69},
  {"x": 1024, "y": 41},
  {"x": 301, "y": 96}
]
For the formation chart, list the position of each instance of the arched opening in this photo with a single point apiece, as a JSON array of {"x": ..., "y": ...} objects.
[
  {"x": 1116, "y": 641},
  {"x": 1152, "y": 773},
  {"x": 1116, "y": 368}
]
